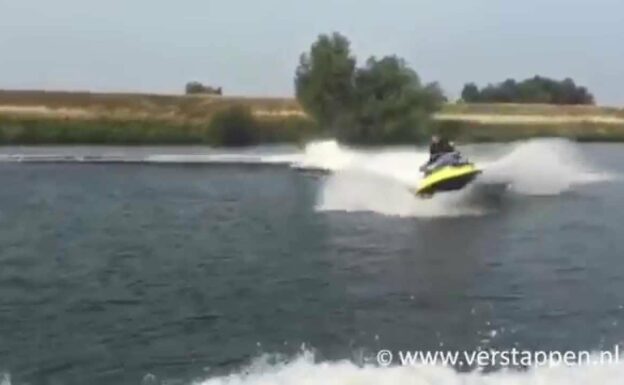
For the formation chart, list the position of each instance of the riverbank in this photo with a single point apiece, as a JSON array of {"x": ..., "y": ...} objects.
[{"x": 36, "y": 117}]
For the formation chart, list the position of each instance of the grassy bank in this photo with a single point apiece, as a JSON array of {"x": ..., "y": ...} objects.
[
  {"x": 506, "y": 122},
  {"x": 45, "y": 130},
  {"x": 473, "y": 131},
  {"x": 34, "y": 117}
]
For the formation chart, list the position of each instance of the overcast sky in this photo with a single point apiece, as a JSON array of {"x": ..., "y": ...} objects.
[{"x": 251, "y": 47}]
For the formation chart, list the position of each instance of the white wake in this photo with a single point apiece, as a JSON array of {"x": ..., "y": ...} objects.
[
  {"x": 304, "y": 371},
  {"x": 380, "y": 180}
]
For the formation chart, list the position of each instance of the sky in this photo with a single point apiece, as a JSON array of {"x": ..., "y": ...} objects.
[{"x": 252, "y": 47}]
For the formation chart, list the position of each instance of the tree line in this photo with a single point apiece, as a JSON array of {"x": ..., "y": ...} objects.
[
  {"x": 385, "y": 101},
  {"x": 533, "y": 90}
]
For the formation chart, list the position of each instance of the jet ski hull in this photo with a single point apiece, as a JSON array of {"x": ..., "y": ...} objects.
[{"x": 448, "y": 178}]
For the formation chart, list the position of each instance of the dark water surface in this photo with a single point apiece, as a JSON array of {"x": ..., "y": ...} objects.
[{"x": 109, "y": 272}]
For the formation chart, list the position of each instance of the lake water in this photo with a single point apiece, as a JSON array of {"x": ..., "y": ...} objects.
[{"x": 191, "y": 265}]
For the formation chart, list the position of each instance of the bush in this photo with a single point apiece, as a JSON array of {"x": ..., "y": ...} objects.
[
  {"x": 295, "y": 129},
  {"x": 198, "y": 88},
  {"x": 234, "y": 126}
]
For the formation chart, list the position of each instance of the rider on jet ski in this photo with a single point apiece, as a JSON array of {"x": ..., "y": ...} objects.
[
  {"x": 438, "y": 147},
  {"x": 437, "y": 150},
  {"x": 446, "y": 170}
]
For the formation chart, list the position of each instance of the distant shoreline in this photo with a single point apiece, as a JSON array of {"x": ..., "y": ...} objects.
[{"x": 55, "y": 117}]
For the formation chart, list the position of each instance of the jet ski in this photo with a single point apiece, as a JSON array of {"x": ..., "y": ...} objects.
[{"x": 450, "y": 172}]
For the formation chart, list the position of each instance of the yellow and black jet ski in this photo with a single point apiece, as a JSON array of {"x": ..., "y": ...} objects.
[{"x": 449, "y": 177}]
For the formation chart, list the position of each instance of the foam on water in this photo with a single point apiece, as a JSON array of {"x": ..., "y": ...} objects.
[
  {"x": 359, "y": 190},
  {"x": 325, "y": 155},
  {"x": 380, "y": 181},
  {"x": 543, "y": 167},
  {"x": 305, "y": 371}
]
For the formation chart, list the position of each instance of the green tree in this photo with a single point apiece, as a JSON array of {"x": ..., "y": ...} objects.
[
  {"x": 470, "y": 93},
  {"x": 324, "y": 79},
  {"x": 392, "y": 105},
  {"x": 384, "y": 101},
  {"x": 435, "y": 96}
]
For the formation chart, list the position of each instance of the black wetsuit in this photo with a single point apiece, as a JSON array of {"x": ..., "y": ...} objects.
[{"x": 439, "y": 148}]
